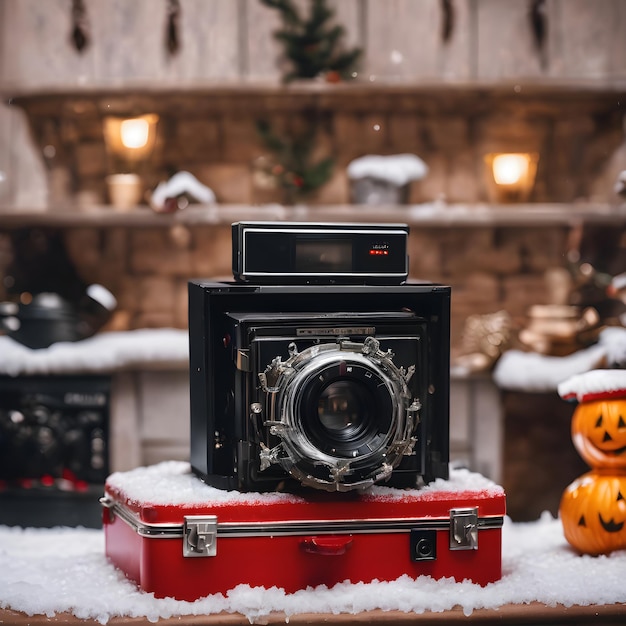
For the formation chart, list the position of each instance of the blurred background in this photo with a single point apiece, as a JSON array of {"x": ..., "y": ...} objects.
[{"x": 134, "y": 132}]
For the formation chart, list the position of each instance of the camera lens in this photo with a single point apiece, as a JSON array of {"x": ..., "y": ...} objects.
[
  {"x": 341, "y": 408},
  {"x": 342, "y": 415},
  {"x": 344, "y": 410}
]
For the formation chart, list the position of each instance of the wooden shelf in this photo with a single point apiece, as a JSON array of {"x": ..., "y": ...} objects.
[
  {"x": 359, "y": 95},
  {"x": 421, "y": 215},
  {"x": 535, "y": 86}
]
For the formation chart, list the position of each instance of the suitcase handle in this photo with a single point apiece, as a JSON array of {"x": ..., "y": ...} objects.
[{"x": 327, "y": 545}]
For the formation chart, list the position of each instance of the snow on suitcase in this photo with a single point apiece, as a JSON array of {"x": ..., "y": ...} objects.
[{"x": 178, "y": 537}]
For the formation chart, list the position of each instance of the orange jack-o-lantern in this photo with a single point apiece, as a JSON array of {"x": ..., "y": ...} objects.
[
  {"x": 593, "y": 513},
  {"x": 599, "y": 432}
]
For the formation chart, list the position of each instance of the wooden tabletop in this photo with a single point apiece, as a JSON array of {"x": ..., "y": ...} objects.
[{"x": 528, "y": 614}]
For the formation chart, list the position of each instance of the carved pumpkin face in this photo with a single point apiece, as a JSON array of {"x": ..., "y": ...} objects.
[
  {"x": 599, "y": 433},
  {"x": 593, "y": 513}
]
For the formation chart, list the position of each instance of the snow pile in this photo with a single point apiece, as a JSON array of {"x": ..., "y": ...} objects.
[
  {"x": 179, "y": 184},
  {"x": 171, "y": 483},
  {"x": 48, "y": 571},
  {"x": 397, "y": 169},
  {"x": 461, "y": 480},
  {"x": 594, "y": 385},
  {"x": 533, "y": 372},
  {"x": 103, "y": 352},
  {"x": 613, "y": 340}
]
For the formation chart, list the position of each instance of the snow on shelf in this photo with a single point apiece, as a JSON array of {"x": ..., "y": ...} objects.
[
  {"x": 102, "y": 353},
  {"x": 538, "y": 373},
  {"x": 436, "y": 214}
]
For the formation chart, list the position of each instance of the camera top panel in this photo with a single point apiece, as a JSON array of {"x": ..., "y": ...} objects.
[{"x": 320, "y": 253}]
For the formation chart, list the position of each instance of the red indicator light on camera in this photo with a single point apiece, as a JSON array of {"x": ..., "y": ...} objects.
[{"x": 376, "y": 252}]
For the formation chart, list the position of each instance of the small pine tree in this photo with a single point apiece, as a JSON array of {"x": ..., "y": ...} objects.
[
  {"x": 311, "y": 44},
  {"x": 294, "y": 172}
]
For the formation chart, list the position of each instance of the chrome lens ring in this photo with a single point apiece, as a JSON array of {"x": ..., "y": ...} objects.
[{"x": 321, "y": 451}]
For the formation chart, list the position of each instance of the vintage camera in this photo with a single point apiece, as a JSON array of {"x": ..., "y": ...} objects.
[{"x": 334, "y": 387}]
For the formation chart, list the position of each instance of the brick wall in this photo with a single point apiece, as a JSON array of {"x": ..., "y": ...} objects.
[
  {"x": 147, "y": 269},
  {"x": 490, "y": 268},
  {"x": 577, "y": 134}
]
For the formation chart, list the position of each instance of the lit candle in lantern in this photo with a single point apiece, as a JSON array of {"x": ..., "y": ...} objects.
[
  {"x": 513, "y": 175},
  {"x": 510, "y": 169},
  {"x": 129, "y": 145},
  {"x": 135, "y": 133},
  {"x": 130, "y": 140}
]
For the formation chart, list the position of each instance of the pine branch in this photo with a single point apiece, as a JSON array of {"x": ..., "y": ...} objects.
[
  {"x": 294, "y": 171},
  {"x": 317, "y": 175},
  {"x": 288, "y": 11},
  {"x": 271, "y": 141},
  {"x": 311, "y": 44}
]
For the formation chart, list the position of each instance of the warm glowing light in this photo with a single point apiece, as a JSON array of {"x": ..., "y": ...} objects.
[
  {"x": 510, "y": 169},
  {"x": 511, "y": 175},
  {"x": 129, "y": 143},
  {"x": 135, "y": 133},
  {"x": 131, "y": 138}
]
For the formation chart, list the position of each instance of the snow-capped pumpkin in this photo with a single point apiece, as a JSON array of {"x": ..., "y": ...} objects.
[
  {"x": 599, "y": 420},
  {"x": 593, "y": 513}
]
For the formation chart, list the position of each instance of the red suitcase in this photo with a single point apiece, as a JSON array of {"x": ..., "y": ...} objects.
[{"x": 177, "y": 537}]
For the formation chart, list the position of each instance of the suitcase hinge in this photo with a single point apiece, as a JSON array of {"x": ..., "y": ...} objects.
[
  {"x": 464, "y": 529},
  {"x": 200, "y": 535}
]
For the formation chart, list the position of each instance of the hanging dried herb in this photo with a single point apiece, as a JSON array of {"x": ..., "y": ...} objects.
[
  {"x": 80, "y": 25},
  {"x": 538, "y": 22},
  {"x": 447, "y": 23},
  {"x": 172, "y": 38}
]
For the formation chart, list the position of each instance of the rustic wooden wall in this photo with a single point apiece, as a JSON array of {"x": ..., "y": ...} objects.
[
  {"x": 489, "y": 86},
  {"x": 230, "y": 43},
  {"x": 227, "y": 40}
]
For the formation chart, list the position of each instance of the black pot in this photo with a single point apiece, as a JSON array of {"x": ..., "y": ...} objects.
[
  {"x": 44, "y": 321},
  {"x": 48, "y": 318}
]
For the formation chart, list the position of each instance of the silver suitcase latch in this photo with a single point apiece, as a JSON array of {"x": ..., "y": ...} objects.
[
  {"x": 464, "y": 529},
  {"x": 200, "y": 535}
]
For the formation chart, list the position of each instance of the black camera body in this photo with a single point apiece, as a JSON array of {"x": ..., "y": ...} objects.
[{"x": 335, "y": 387}]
